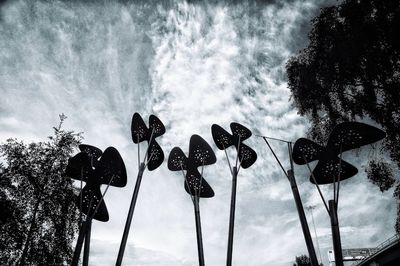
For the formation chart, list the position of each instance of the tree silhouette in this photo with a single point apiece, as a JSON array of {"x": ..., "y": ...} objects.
[
  {"x": 303, "y": 260},
  {"x": 351, "y": 70},
  {"x": 39, "y": 219}
]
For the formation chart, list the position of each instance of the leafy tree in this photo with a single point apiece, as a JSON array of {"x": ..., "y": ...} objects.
[
  {"x": 378, "y": 169},
  {"x": 303, "y": 260},
  {"x": 351, "y": 70},
  {"x": 39, "y": 219}
]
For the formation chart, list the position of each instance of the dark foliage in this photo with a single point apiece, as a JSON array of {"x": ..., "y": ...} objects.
[
  {"x": 303, "y": 260},
  {"x": 380, "y": 174},
  {"x": 351, "y": 70},
  {"x": 38, "y": 216}
]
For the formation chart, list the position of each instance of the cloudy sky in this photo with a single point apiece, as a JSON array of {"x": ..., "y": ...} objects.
[{"x": 192, "y": 65}]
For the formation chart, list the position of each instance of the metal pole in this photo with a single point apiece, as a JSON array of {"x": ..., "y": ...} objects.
[
  {"x": 30, "y": 232},
  {"x": 337, "y": 246},
  {"x": 303, "y": 219},
  {"x": 86, "y": 249},
  {"x": 300, "y": 210},
  {"x": 232, "y": 217},
  {"x": 79, "y": 244},
  {"x": 198, "y": 231},
  {"x": 130, "y": 215}
]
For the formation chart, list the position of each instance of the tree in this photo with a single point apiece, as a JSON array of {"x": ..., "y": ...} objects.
[
  {"x": 39, "y": 218},
  {"x": 350, "y": 71},
  {"x": 303, "y": 260}
]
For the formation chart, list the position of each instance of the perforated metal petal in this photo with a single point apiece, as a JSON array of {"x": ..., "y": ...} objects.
[
  {"x": 91, "y": 151},
  {"x": 91, "y": 196},
  {"x": 200, "y": 152},
  {"x": 351, "y": 135},
  {"x": 197, "y": 185},
  {"x": 247, "y": 156},
  {"x": 307, "y": 148},
  {"x": 221, "y": 137},
  {"x": 156, "y": 126},
  {"x": 327, "y": 169},
  {"x": 241, "y": 131},
  {"x": 156, "y": 156},
  {"x": 139, "y": 130},
  {"x": 177, "y": 160},
  {"x": 79, "y": 167},
  {"x": 111, "y": 167}
]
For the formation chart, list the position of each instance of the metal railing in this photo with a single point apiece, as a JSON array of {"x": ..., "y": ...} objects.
[{"x": 384, "y": 245}]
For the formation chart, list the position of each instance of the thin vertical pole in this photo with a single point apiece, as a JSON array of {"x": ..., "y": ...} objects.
[
  {"x": 316, "y": 184},
  {"x": 340, "y": 171},
  {"x": 79, "y": 244},
  {"x": 337, "y": 246},
  {"x": 232, "y": 217},
  {"x": 130, "y": 215},
  {"x": 299, "y": 205},
  {"x": 303, "y": 219},
  {"x": 198, "y": 231},
  {"x": 86, "y": 249},
  {"x": 30, "y": 232},
  {"x": 300, "y": 210},
  {"x": 276, "y": 157}
]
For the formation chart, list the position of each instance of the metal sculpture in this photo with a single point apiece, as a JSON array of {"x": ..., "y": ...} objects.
[
  {"x": 95, "y": 168},
  {"x": 153, "y": 158},
  {"x": 296, "y": 195},
  {"x": 200, "y": 154},
  {"x": 245, "y": 157},
  {"x": 331, "y": 169}
]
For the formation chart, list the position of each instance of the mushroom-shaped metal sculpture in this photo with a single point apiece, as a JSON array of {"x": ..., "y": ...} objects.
[
  {"x": 95, "y": 168},
  {"x": 153, "y": 158},
  {"x": 331, "y": 169},
  {"x": 328, "y": 166},
  {"x": 140, "y": 132},
  {"x": 245, "y": 155},
  {"x": 345, "y": 136},
  {"x": 200, "y": 154},
  {"x": 223, "y": 139}
]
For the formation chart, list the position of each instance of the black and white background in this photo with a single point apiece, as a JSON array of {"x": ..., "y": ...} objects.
[{"x": 191, "y": 63}]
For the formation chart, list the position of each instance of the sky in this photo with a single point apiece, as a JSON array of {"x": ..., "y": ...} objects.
[{"x": 192, "y": 64}]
